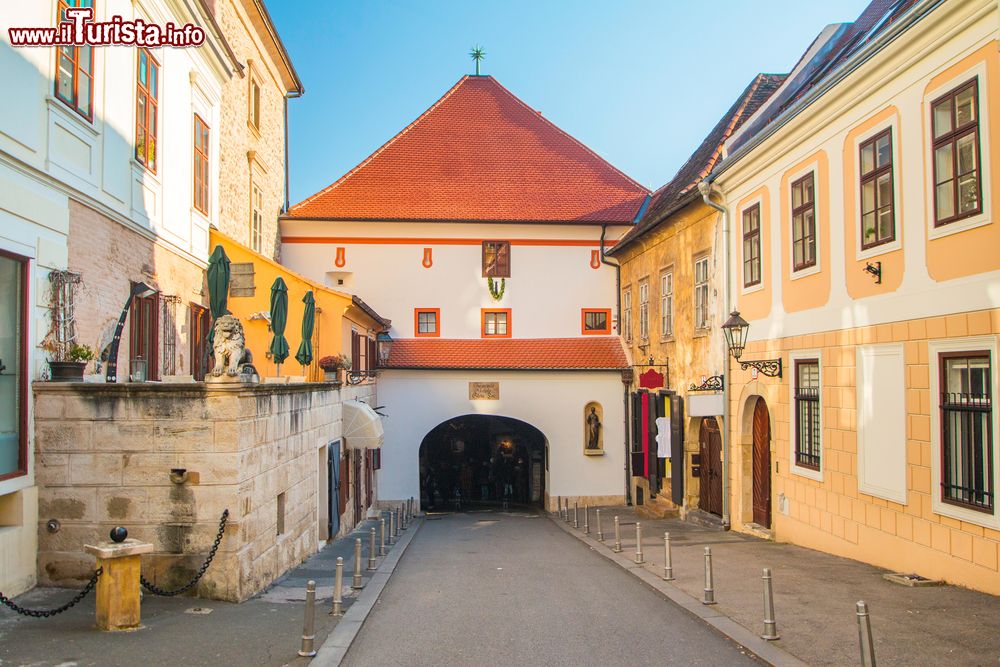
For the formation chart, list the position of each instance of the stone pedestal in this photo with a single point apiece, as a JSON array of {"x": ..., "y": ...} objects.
[{"x": 118, "y": 585}]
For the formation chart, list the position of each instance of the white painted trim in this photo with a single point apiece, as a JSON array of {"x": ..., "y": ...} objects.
[
  {"x": 859, "y": 254},
  {"x": 793, "y": 416},
  {"x": 935, "y": 349},
  {"x": 896, "y": 411},
  {"x": 813, "y": 167}
]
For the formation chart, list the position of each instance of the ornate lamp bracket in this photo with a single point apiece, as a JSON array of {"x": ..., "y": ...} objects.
[
  {"x": 712, "y": 383},
  {"x": 769, "y": 367}
]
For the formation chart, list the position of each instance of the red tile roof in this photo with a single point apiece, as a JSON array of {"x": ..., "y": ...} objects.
[
  {"x": 480, "y": 154},
  {"x": 592, "y": 352}
]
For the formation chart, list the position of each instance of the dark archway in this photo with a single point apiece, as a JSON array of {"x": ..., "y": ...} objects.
[{"x": 481, "y": 460}]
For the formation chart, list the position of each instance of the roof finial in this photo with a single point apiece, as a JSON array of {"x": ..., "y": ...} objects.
[{"x": 477, "y": 53}]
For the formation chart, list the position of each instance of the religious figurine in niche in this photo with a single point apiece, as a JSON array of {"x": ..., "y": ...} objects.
[{"x": 593, "y": 429}]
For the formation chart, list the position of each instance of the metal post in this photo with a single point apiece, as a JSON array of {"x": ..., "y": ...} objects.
[
  {"x": 381, "y": 537},
  {"x": 309, "y": 628},
  {"x": 402, "y": 517},
  {"x": 668, "y": 563},
  {"x": 559, "y": 505},
  {"x": 865, "y": 635},
  {"x": 338, "y": 589},
  {"x": 371, "y": 549},
  {"x": 576, "y": 515},
  {"x": 356, "y": 583},
  {"x": 638, "y": 543},
  {"x": 565, "y": 512},
  {"x": 770, "y": 625},
  {"x": 709, "y": 597},
  {"x": 600, "y": 531},
  {"x": 395, "y": 529},
  {"x": 586, "y": 519},
  {"x": 392, "y": 523},
  {"x": 618, "y": 536}
]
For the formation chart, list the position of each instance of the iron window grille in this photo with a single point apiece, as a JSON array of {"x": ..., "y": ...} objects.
[
  {"x": 967, "y": 431},
  {"x": 807, "y": 415}
]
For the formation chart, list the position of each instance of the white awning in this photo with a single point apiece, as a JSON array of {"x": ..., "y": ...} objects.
[{"x": 362, "y": 426}]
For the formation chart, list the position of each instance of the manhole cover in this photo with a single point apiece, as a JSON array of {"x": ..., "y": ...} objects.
[{"x": 198, "y": 610}]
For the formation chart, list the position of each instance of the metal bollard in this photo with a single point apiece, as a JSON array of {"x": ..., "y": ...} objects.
[
  {"x": 392, "y": 531},
  {"x": 709, "y": 597},
  {"x": 770, "y": 625},
  {"x": 309, "y": 628},
  {"x": 356, "y": 582},
  {"x": 865, "y": 635},
  {"x": 381, "y": 537},
  {"x": 586, "y": 519},
  {"x": 638, "y": 544},
  {"x": 565, "y": 512},
  {"x": 559, "y": 506},
  {"x": 338, "y": 589},
  {"x": 371, "y": 549},
  {"x": 576, "y": 515},
  {"x": 406, "y": 518},
  {"x": 618, "y": 536},
  {"x": 668, "y": 562},
  {"x": 600, "y": 531},
  {"x": 395, "y": 530}
]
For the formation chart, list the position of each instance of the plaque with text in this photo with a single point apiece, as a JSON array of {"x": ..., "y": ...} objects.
[{"x": 484, "y": 391}]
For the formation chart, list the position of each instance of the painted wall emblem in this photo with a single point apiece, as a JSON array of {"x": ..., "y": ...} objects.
[
  {"x": 340, "y": 259},
  {"x": 428, "y": 261},
  {"x": 484, "y": 391},
  {"x": 595, "y": 259}
]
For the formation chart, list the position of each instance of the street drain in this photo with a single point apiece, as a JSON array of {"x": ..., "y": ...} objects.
[{"x": 202, "y": 611}]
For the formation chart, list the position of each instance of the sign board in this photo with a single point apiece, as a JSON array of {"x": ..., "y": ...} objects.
[
  {"x": 705, "y": 405},
  {"x": 484, "y": 391}
]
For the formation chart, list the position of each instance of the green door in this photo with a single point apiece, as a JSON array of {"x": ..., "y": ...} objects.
[{"x": 13, "y": 300}]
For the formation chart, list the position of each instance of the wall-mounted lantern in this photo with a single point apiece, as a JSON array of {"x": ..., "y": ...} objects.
[{"x": 736, "y": 329}]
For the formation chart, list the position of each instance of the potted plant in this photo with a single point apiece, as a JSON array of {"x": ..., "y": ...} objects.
[
  {"x": 71, "y": 367},
  {"x": 332, "y": 366}
]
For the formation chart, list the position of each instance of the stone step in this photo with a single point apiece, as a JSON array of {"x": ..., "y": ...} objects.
[
  {"x": 704, "y": 519},
  {"x": 658, "y": 507}
]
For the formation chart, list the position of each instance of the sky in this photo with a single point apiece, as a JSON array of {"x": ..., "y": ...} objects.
[{"x": 641, "y": 82}]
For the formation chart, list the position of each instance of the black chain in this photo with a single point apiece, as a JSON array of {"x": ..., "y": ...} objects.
[
  {"x": 208, "y": 561},
  {"x": 45, "y": 613}
]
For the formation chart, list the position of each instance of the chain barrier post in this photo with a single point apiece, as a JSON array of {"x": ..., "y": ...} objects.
[
  {"x": 668, "y": 563},
  {"x": 356, "y": 581},
  {"x": 618, "y": 536},
  {"x": 600, "y": 531},
  {"x": 118, "y": 589},
  {"x": 865, "y": 635},
  {"x": 638, "y": 544},
  {"x": 308, "y": 649},
  {"x": 770, "y": 625},
  {"x": 381, "y": 536},
  {"x": 47, "y": 613},
  {"x": 709, "y": 597},
  {"x": 338, "y": 589},
  {"x": 371, "y": 549}
]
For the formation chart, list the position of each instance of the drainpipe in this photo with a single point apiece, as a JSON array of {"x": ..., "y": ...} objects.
[
  {"x": 294, "y": 93},
  {"x": 618, "y": 317},
  {"x": 705, "y": 188}
]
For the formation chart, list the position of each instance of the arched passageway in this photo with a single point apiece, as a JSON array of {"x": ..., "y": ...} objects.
[{"x": 481, "y": 460}]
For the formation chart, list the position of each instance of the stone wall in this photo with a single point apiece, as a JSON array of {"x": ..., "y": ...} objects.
[{"x": 104, "y": 457}]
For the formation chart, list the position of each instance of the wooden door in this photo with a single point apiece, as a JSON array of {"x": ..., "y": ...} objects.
[
  {"x": 334, "y": 489},
  {"x": 761, "y": 465},
  {"x": 356, "y": 484},
  {"x": 711, "y": 466},
  {"x": 201, "y": 353}
]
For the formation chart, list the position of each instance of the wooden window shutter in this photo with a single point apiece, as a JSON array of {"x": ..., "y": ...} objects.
[
  {"x": 345, "y": 469},
  {"x": 355, "y": 351}
]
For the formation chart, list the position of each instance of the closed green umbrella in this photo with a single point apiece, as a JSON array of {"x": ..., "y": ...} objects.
[
  {"x": 218, "y": 287},
  {"x": 279, "y": 318},
  {"x": 305, "y": 354}
]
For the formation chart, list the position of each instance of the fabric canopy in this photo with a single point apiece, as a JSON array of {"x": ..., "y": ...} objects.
[{"x": 362, "y": 426}]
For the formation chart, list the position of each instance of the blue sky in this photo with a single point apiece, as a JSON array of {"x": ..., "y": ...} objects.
[{"x": 640, "y": 82}]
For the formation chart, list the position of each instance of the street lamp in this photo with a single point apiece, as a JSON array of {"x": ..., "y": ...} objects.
[
  {"x": 141, "y": 290},
  {"x": 735, "y": 330},
  {"x": 384, "y": 342}
]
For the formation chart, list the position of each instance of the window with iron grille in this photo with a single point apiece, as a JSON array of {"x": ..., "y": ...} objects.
[
  {"x": 967, "y": 431},
  {"x": 627, "y": 314},
  {"x": 75, "y": 69},
  {"x": 644, "y": 310},
  {"x": 701, "y": 293},
  {"x": 804, "y": 223},
  {"x": 147, "y": 110},
  {"x": 807, "y": 424},
  {"x": 667, "y": 304},
  {"x": 496, "y": 259},
  {"x": 751, "y": 246},
  {"x": 957, "y": 178},
  {"x": 877, "y": 217},
  {"x": 168, "y": 334}
]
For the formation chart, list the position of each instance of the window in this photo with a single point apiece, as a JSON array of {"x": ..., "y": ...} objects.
[
  {"x": 144, "y": 348},
  {"x": 256, "y": 216},
  {"x": 627, "y": 315},
  {"x": 803, "y": 223},
  {"x": 955, "y": 123},
  {"x": 13, "y": 366},
  {"x": 596, "y": 321},
  {"x": 496, "y": 259},
  {"x": 807, "y": 425},
  {"x": 967, "y": 430},
  {"x": 426, "y": 322},
  {"x": 701, "y": 293},
  {"x": 644, "y": 310},
  {"x": 253, "y": 106},
  {"x": 877, "y": 216},
  {"x": 667, "y": 304},
  {"x": 751, "y": 246},
  {"x": 75, "y": 69},
  {"x": 146, "y": 106},
  {"x": 496, "y": 323},
  {"x": 200, "y": 164}
]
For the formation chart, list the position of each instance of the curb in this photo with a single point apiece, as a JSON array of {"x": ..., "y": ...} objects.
[
  {"x": 334, "y": 649},
  {"x": 759, "y": 647}
]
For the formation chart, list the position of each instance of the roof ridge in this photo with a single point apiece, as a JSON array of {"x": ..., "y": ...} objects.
[
  {"x": 568, "y": 135},
  {"x": 384, "y": 146}
]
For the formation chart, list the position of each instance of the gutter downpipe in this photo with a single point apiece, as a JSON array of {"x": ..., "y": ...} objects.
[
  {"x": 618, "y": 317},
  {"x": 291, "y": 94},
  {"x": 705, "y": 187}
]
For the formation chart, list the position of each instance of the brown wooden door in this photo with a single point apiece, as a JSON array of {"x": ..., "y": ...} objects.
[
  {"x": 761, "y": 465},
  {"x": 711, "y": 466},
  {"x": 356, "y": 484}
]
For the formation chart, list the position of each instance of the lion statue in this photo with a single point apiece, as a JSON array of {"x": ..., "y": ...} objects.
[{"x": 228, "y": 345}]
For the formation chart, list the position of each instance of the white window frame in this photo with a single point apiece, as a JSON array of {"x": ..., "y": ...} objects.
[
  {"x": 935, "y": 349},
  {"x": 667, "y": 303},
  {"x": 627, "y": 314},
  {"x": 817, "y": 208},
  {"x": 644, "y": 310},
  {"x": 800, "y": 355},
  {"x": 256, "y": 216},
  {"x": 708, "y": 292},
  {"x": 757, "y": 201},
  {"x": 891, "y": 124}
]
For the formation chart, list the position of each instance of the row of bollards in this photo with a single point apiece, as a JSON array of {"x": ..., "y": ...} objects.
[{"x": 770, "y": 633}]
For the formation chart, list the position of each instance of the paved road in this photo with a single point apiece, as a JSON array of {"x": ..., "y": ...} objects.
[{"x": 509, "y": 589}]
